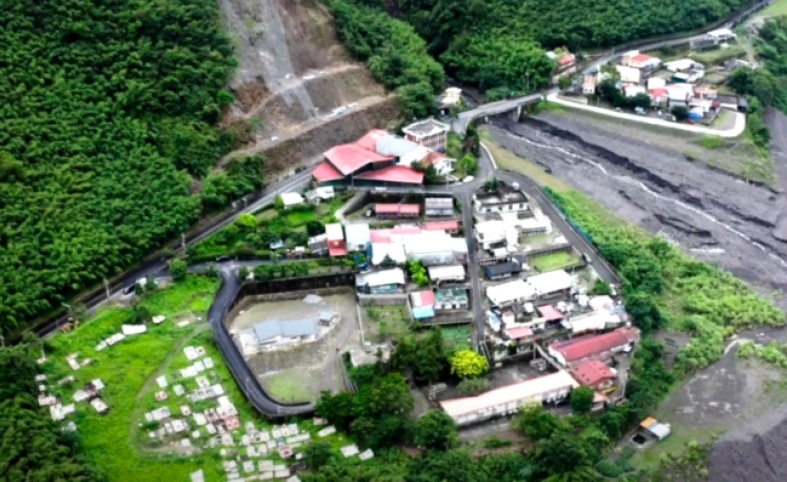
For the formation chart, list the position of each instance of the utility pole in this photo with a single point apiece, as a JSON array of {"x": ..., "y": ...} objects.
[
  {"x": 183, "y": 241},
  {"x": 106, "y": 287},
  {"x": 2, "y": 340}
]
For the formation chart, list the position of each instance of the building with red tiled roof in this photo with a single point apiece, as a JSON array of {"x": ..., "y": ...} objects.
[
  {"x": 594, "y": 374},
  {"x": 359, "y": 163},
  {"x": 397, "y": 210},
  {"x": 550, "y": 313},
  {"x": 593, "y": 347}
]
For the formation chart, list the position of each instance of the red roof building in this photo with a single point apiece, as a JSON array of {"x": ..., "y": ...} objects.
[
  {"x": 519, "y": 333},
  {"x": 594, "y": 374},
  {"x": 361, "y": 162},
  {"x": 397, "y": 210},
  {"x": 593, "y": 347},
  {"x": 550, "y": 313},
  {"x": 349, "y": 158},
  {"x": 447, "y": 226},
  {"x": 369, "y": 140},
  {"x": 395, "y": 174},
  {"x": 567, "y": 60}
]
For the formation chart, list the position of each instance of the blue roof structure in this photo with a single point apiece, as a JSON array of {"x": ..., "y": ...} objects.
[{"x": 293, "y": 328}]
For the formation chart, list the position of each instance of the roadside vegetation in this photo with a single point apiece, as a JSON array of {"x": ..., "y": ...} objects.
[
  {"x": 667, "y": 289},
  {"x": 764, "y": 87},
  {"x": 106, "y": 125},
  {"x": 553, "y": 261},
  {"x": 251, "y": 235}
]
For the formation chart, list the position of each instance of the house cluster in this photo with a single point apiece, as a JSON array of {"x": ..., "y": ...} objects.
[
  {"x": 380, "y": 159},
  {"x": 582, "y": 361},
  {"x": 714, "y": 39},
  {"x": 505, "y": 215},
  {"x": 277, "y": 334},
  {"x": 563, "y": 58}
]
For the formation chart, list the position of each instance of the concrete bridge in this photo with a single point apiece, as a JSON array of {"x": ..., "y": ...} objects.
[{"x": 460, "y": 124}]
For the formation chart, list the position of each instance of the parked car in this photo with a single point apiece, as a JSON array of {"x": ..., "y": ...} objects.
[
  {"x": 129, "y": 289},
  {"x": 468, "y": 179},
  {"x": 587, "y": 258},
  {"x": 222, "y": 258}
]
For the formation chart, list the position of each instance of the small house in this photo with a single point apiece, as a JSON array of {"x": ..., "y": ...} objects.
[
  {"x": 596, "y": 375},
  {"x": 428, "y": 133},
  {"x": 502, "y": 270},
  {"x": 439, "y": 206},
  {"x": 291, "y": 199},
  {"x": 651, "y": 428},
  {"x": 380, "y": 282},
  {"x": 357, "y": 236},
  {"x": 448, "y": 299},
  {"x": 422, "y": 304},
  {"x": 337, "y": 246}
]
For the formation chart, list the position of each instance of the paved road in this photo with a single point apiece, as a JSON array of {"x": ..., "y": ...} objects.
[
  {"x": 735, "y": 131},
  {"x": 157, "y": 267}
]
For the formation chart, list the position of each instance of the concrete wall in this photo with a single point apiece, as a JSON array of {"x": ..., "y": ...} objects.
[{"x": 382, "y": 299}]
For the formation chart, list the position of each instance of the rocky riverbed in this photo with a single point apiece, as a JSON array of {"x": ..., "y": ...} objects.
[
  {"x": 710, "y": 213},
  {"x": 716, "y": 217}
]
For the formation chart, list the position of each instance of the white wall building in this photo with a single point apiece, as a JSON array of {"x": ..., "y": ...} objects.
[
  {"x": 357, "y": 236},
  {"x": 629, "y": 74},
  {"x": 440, "y": 274},
  {"x": 513, "y": 292},
  {"x": 428, "y": 133},
  {"x": 549, "y": 283},
  {"x": 290, "y": 199},
  {"x": 488, "y": 233},
  {"x": 508, "y": 400}
]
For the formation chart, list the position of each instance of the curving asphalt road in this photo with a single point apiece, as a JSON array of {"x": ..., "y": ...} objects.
[{"x": 264, "y": 403}]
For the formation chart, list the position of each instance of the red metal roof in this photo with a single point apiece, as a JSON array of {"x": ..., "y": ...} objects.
[
  {"x": 640, "y": 58},
  {"x": 441, "y": 226},
  {"x": 592, "y": 372},
  {"x": 424, "y": 298},
  {"x": 406, "y": 229},
  {"x": 397, "y": 209},
  {"x": 348, "y": 158},
  {"x": 519, "y": 333},
  {"x": 567, "y": 59},
  {"x": 326, "y": 172},
  {"x": 337, "y": 251},
  {"x": 659, "y": 92},
  {"x": 400, "y": 174},
  {"x": 380, "y": 235},
  {"x": 589, "y": 345},
  {"x": 550, "y": 313},
  {"x": 369, "y": 140}
]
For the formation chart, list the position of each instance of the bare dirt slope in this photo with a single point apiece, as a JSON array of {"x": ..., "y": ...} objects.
[{"x": 293, "y": 71}]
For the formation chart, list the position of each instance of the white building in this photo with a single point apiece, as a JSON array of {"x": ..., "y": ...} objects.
[
  {"x": 290, "y": 199},
  {"x": 683, "y": 64},
  {"x": 511, "y": 201},
  {"x": 593, "y": 321},
  {"x": 721, "y": 35},
  {"x": 394, "y": 251},
  {"x": 508, "y": 400},
  {"x": 628, "y": 74},
  {"x": 656, "y": 83},
  {"x": 549, "y": 283},
  {"x": 434, "y": 247},
  {"x": 513, "y": 292},
  {"x": 428, "y": 133},
  {"x": 488, "y": 233},
  {"x": 385, "y": 281},
  {"x": 320, "y": 194},
  {"x": 357, "y": 236},
  {"x": 439, "y": 274},
  {"x": 407, "y": 152}
]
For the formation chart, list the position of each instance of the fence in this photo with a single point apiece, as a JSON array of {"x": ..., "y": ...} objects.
[{"x": 382, "y": 299}]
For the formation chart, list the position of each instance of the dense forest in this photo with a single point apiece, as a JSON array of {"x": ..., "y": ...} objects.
[
  {"x": 34, "y": 448},
  {"x": 767, "y": 86},
  {"x": 499, "y": 44},
  {"x": 106, "y": 121}
]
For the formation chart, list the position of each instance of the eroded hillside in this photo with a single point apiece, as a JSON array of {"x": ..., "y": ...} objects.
[{"x": 293, "y": 73}]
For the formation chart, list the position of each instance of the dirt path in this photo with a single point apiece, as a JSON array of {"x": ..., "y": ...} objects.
[{"x": 136, "y": 414}]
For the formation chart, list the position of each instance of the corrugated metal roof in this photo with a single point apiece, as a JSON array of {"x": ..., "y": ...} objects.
[
  {"x": 348, "y": 158},
  {"x": 398, "y": 174},
  {"x": 326, "y": 172},
  {"x": 585, "y": 346},
  {"x": 395, "y": 146},
  {"x": 511, "y": 393},
  {"x": 380, "y": 278},
  {"x": 502, "y": 268},
  {"x": 412, "y": 209},
  {"x": 550, "y": 313},
  {"x": 592, "y": 372}
]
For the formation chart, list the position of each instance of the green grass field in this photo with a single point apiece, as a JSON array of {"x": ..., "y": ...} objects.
[
  {"x": 777, "y": 8},
  {"x": 551, "y": 262},
  {"x": 386, "y": 322},
  {"x": 287, "y": 387}
]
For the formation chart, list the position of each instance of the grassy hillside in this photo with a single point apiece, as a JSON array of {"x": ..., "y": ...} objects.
[{"x": 106, "y": 115}]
